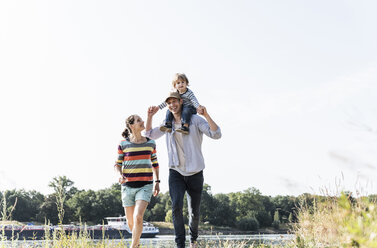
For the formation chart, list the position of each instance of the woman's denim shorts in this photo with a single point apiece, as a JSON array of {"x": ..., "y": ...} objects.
[{"x": 131, "y": 195}]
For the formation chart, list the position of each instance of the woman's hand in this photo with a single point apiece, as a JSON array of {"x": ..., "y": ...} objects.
[
  {"x": 121, "y": 180},
  {"x": 156, "y": 189}
]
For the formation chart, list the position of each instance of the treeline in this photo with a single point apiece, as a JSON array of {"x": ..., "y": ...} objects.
[{"x": 247, "y": 210}]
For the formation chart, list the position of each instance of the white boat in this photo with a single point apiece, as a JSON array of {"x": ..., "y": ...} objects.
[{"x": 120, "y": 223}]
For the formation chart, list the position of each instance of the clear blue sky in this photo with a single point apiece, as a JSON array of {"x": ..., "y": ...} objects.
[{"x": 291, "y": 83}]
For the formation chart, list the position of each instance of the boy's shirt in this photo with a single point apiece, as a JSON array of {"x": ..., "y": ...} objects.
[{"x": 188, "y": 99}]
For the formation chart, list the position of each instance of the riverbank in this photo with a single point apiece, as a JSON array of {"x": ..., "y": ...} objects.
[{"x": 167, "y": 228}]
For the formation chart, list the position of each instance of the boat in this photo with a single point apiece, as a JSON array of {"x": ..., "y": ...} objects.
[{"x": 116, "y": 228}]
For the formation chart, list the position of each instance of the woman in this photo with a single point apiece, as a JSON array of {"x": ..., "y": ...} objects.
[{"x": 137, "y": 163}]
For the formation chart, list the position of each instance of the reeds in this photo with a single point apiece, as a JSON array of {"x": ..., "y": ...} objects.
[{"x": 341, "y": 221}]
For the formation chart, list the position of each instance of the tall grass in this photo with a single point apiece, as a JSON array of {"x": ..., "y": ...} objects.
[{"x": 337, "y": 222}]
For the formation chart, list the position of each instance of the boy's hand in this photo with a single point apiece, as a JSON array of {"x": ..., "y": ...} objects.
[
  {"x": 200, "y": 110},
  {"x": 203, "y": 111}
]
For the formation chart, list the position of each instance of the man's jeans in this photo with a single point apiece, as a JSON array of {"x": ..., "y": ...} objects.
[{"x": 178, "y": 185}]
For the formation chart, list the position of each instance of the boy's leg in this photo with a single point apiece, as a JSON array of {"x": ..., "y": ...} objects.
[
  {"x": 177, "y": 188},
  {"x": 187, "y": 112},
  {"x": 194, "y": 196},
  {"x": 168, "y": 122},
  {"x": 169, "y": 118}
]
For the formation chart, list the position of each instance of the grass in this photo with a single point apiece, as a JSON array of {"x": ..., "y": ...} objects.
[
  {"x": 337, "y": 222},
  {"x": 340, "y": 221}
]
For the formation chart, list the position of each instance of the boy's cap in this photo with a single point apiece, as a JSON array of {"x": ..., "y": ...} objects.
[{"x": 173, "y": 95}]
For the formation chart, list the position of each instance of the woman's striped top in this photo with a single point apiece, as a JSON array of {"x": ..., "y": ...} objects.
[{"x": 137, "y": 160}]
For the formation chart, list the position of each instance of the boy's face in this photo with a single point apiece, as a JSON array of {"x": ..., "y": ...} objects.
[{"x": 181, "y": 86}]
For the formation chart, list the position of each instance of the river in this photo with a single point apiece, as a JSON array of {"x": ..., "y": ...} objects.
[{"x": 167, "y": 241}]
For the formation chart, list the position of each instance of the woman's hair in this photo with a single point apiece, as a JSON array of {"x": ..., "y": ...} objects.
[
  {"x": 129, "y": 121},
  {"x": 181, "y": 76}
]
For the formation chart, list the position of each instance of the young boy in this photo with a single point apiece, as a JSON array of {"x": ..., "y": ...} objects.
[{"x": 190, "y": 105}]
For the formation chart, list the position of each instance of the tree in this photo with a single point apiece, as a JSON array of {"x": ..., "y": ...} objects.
[
  {"x": 82, "y": 205},
  {"x": 286, "y": 205},
  {"x": 222, "y": 214},
  {"x": 60, "y": 185},
  {"x": 247, "y": 204},
  {"x": 207, "y": 204},
  {"x": 276, "y": 222}
]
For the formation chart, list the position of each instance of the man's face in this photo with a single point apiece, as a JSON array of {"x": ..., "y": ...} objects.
[{"x": 174, "y": 105}]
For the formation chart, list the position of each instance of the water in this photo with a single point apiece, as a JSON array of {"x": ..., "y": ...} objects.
[{"x": 167, "y": 241}]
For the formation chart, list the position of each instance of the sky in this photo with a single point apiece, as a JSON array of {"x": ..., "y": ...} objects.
[{"x": 292, "y": 84}]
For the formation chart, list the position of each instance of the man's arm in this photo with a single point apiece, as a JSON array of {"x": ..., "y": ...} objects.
[
  {"x": 154, "y": 133},
  {"x": 212, "y": 125},
  {"x": 209, "y": 127},
  {"x": 151, "y": 111}
]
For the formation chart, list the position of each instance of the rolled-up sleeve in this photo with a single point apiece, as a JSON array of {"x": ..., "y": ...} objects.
[
  {"x": 204, "y": 128},
  {"x": 154, "y": 133}
]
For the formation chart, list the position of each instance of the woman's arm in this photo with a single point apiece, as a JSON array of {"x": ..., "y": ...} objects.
[
  {"x": 156, "y": 189},
  {"x": 156, "y": 172},
  {"x": 118, "y": 165}
]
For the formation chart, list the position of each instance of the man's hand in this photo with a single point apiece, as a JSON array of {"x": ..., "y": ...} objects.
[{"x": 212, "y": 125}]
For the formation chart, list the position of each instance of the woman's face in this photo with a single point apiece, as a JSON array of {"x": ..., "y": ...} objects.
[{"x": 138, "y": 125}]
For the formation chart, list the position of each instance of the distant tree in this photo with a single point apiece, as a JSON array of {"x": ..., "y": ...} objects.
[
  {"x": 222, "y": 214},
  {"x": 158, "y": 212},
  {"x": 207, "y": 204},
  {"x": 48, "y": 211},
  {"x": 26, "y": 204},
  {"x": 290, "y": 218},
  {"x": 63, "y": 182},
  {"x": 286, "y": 205},
  {"x": 169, "y": 216},
  {"x": 276, "y": 222},
  {"x": 247, "y": 203},
  {"x": 248, "y": 223},
  {"x": 82, "y": 205}
]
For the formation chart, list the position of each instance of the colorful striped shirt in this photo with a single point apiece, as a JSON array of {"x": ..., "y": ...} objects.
[
  {"x": 137, "y": 160},
  {"x": 188, "y": 99}
]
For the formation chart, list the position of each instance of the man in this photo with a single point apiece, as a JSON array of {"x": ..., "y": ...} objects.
[{"x": 186, "y": 164}]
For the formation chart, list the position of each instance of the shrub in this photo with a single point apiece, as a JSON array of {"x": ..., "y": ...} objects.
[{"x": 248, "y": 224}]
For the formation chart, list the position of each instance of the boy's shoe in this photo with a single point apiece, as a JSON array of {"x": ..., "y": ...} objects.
[
  {"x": 166, "y": 128},
  {"x": 183, "y": 130}
]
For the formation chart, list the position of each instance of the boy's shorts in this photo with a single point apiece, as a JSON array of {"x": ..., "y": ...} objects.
[{"x": 131, "y": 195}]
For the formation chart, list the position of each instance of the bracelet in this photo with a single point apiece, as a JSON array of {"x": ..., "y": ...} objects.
[{"x": 157, "y": 181}]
